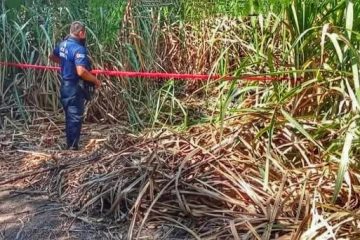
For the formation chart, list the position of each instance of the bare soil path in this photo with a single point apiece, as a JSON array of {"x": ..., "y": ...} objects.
[
  {"x": 25, "y": 212},
  {"x": 31, "y": 215}
]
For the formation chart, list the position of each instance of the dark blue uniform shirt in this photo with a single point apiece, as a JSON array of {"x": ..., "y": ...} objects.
[{"x": 72, "y": 53}]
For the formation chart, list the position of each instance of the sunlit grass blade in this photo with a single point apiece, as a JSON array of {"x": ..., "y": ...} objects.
[
  {"x": 345, "y": 159},
  {"x": 298, "y": 127}
]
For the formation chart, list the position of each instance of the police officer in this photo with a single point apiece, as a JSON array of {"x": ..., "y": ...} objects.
[{"x": 75, "y": 67}]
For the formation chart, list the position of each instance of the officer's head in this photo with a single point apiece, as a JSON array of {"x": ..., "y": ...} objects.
[{"x": 78, "y": 30}]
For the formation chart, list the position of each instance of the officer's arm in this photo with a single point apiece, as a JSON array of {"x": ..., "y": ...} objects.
[
  {"x": 86, "y": 75},
  {"x": 55, "y": 56}
]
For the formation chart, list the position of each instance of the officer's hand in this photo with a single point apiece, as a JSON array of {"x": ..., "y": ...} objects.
[{"x": 97, "y": 83}]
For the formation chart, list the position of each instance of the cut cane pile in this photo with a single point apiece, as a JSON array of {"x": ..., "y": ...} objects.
[{"x": 205, "y": 184}]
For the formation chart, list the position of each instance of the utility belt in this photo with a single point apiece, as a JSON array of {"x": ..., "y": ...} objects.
[{"x": 87, "y": 88}]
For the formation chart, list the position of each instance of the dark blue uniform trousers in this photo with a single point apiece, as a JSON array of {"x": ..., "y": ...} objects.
[{"x": 73, "y": 101}]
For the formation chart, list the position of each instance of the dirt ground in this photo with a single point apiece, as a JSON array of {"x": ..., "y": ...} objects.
[{"x": 25, "y": 214}]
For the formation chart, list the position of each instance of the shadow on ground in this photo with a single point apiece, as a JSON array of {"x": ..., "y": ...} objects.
[{"x": 25, "y": 214}]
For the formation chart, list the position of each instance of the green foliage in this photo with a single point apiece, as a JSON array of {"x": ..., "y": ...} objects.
[{"x": 12, "y": 3}]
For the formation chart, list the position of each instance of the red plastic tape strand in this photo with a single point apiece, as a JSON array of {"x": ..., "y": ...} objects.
[{"x": 153, "y": 75}]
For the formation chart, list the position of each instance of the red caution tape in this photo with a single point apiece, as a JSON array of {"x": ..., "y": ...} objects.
[{"x": 154, "y": 75}]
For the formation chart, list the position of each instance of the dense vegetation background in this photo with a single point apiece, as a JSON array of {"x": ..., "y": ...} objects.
[{"x": 311, "y": 119}]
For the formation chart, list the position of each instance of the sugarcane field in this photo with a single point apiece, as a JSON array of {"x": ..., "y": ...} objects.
[{"x": 179, "y": 119}]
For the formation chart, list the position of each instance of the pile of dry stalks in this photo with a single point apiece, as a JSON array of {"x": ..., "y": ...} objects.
[{"x": 205, "y": 184}]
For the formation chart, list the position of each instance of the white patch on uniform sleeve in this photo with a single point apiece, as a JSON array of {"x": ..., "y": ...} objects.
[{"x": 79, "y": 55}]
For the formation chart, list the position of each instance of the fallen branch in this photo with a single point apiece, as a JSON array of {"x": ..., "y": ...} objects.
[
  {"x": 29, "y": 174},
  {"x": 36, "y": 172}
]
